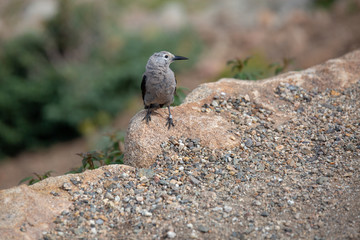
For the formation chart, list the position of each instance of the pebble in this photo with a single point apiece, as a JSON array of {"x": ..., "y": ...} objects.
[
  {"x": 99, "y": 221},
  {"x": 139, "y": 198},
  {"x": 248, "y": 142},
  {"x": 264, "y": 214},
  {"x": 322, "y": 180},
  {"x": 171, "y": 234},
  {"x": 227, "y": 208},
  {"x": 67, "y": 186},
  {"x": 146, "y": 213},
  {"x": 194, "y": 180},
  {"x": 257, "y": 203},
  {"x": 203, "y": 229}
]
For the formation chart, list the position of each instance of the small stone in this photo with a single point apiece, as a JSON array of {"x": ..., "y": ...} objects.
[
  {"x": 227, "y": 208},
  {"x": 66, "y": 186},
  {"x": 256, "y": 203},
  {"x": 214, "y": 103},
  {"x": 194, "y": 180},
  {"x": 238, "y": 235},
  {"x": 322, "y": 138},
  {"x": 193, "y": 235},
  {"x": 217, "y": 209},
  {"x": 139, "y": 198},
  {"x": 75, "y": 180},
  {"x": 54, "y": 193},
  {"x": 334, "y": 93},
  {"x": 212, "y": 158},
  {"x": 146, "y": 213},
  {"x": 189, "y": 225},
  {"x": 264, "y": 214},
  {"x": 99, "y": 190},
  {"x": 248, "y": 142},
  {"x": 99, "y": 221},
  {"x": 124, "y": 175},
  {"x": 203, "y": 229},
  {"x": 145, "y": 172},
  {"x": 109, "y": 196},
  {"x": 93, "y": 231},
  {"x": 322, "y": 180},
  {"x": 171, "y": 234}
]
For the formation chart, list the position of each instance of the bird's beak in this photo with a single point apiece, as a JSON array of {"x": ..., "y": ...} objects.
[{"x": 179, "y": 58}]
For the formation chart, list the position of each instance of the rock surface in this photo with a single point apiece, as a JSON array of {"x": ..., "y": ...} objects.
[
  {"x": 213, "y": 129},
  {"x": 282, "y": 163},
  {"x": 27, "y": 211}
]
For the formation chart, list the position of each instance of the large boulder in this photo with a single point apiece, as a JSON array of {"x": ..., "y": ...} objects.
[
  {"x": 27, "y": 211},
  {"x": 142, "y": 142}
]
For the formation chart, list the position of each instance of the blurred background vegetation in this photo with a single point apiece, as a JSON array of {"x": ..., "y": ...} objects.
[{"x": 76, "y": 75}]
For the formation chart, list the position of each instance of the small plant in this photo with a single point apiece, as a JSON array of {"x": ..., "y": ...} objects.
[
  {"x": 111, "y": 153},
  {"x": 280, "y": 68},
  {"x": 325, "y": 4},
  {"x": 31, "y": 180},
  {"x": 244, "y": 72},
  {"x": 238, "y": 66}
]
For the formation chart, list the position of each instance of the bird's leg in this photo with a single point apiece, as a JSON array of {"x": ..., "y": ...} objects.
[
  {"x": 169, "y": 122},
  {"x": 148, "y": 115}
]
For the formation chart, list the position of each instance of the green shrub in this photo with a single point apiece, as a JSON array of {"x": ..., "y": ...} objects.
[
  {"x": 75, "y": 76},
  {"x": 255, "y": 68}
]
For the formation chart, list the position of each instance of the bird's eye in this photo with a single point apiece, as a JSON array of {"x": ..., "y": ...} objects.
[{"x": 166, "y": 56}]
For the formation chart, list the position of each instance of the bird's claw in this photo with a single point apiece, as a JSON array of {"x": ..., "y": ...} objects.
[
  {"x": 147, "y": 117},
  {"x": 169, "y": 122}
]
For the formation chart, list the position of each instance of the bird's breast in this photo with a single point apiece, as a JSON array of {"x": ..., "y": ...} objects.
[{"x": 160, "y": 89}]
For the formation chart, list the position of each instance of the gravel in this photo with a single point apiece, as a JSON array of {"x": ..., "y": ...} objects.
[{"x": 295, "y": 178}]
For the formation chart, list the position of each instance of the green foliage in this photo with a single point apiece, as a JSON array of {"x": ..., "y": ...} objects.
[
  {"x": 326, "y": 4},
  {"x": 31, "y": 180},
  {"x": 179, "y": 95},
  {"x": 243, "y": 71},
  {"x": 111, "y": 153},
  {"x": 23, "y": 94},
  {"x": 239, "y": 67},
  {"x": 75, "y": 76}
]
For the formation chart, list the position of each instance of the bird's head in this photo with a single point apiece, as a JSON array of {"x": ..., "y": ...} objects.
[{"x": 163, "y": 59}]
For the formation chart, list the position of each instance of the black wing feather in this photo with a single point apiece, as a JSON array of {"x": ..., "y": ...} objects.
[{"x": 143, "y": 87}]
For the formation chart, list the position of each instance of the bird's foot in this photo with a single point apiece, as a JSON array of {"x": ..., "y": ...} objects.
[
  {"x": 147, "y": 117},
  {"x": 169, "y": 122}
]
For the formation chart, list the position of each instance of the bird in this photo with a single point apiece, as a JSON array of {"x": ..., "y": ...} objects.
[{"x": 158, "y": 85}]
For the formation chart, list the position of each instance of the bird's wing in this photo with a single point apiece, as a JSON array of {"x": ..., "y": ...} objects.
[
  {"x": 143, "y": 88},
  {"x": 175, "y": 87}
]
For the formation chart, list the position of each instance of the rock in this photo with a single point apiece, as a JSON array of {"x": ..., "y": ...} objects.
[
  {"x": 203, "y": 229},
  {"x": 142, "y": 142},
  {"x": 322, "y": 180},
  {"x": 27, "y": 211},
  {"x": 25, "y": 207},
  {"x": 227, "y": 208},
  {"x": 171, "y": 234}
]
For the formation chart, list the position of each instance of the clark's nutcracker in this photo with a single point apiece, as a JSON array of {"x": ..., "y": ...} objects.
[{"x": 158, "y": 85}]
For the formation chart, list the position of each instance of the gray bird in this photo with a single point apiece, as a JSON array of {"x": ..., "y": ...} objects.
[{"x": 158, "y": 85}]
